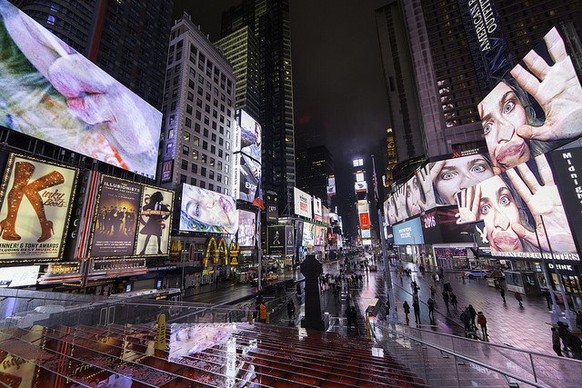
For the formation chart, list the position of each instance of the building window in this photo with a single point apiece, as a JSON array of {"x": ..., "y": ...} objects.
[
  {"x": 194, "y": 154},
  {"x": 185, "y": 150},
  {"x": 212, "y": 162},
  {"x": 203, "y": 171},
  {"x": 193, "y": 181},
  {"x": 204, "y": 158},
  {"x": 194, "y": 168},
  {"x": 182, "y": 178},
  {"x": 210, "y": 186},
  {"x": 188, "y": 122},
  {"x": 211, "y": 174},
  {"x": 196, "y": 141},
  {"x": 202, "y": 184},
  {"x": 186, "y": 136},
  {"x": 184, "y": 164}
]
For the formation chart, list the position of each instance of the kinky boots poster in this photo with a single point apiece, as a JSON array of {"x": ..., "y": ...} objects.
[
  {"x": 34, "y": 214},
  {"x": 115, "y": 218}
]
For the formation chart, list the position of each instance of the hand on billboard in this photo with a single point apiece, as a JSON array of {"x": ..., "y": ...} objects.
[
  {"x": 556, "y": 88},
  {"x": 543, "y": 202},
  {"x": 468, "y": 201},
  {"x": 424, "y": 180}
]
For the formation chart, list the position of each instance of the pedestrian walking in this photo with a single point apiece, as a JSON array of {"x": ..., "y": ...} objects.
[
  {"x": 453, "y": 300},
  {"x": 473, "y": 315},
  {"x": 575, "y": 345},
  {"x": 430, "y": 304},
  {"x": 416, "y": 308},
  {"x": 556, "y": 342},
  {"x": 548, "y": 298},
  {"x": 446, "y": 299},
  {"x": 463, "y": 276},
  {"x": 262, "y": 312},
  {"x": 519, "y": 298},
  {"x": 466, "y": 319},
  {"x": 291, "y": 310},
  {"x": 432, "y": 291},
  {"x": 482, "y": 321},
  {"x": 502, "y": 292},
  {"x": 406, "y": 307}
]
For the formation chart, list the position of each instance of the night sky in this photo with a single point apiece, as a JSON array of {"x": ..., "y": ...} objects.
[{"x": 340, "y": 98}]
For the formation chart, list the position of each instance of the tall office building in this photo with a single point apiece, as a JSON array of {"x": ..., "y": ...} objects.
[
  {"x": 198, "y": 112},
  {"x": 403, "y": 101},
  {"x": 241, "y": 49},
  {"x": 448, "y": 76},
  {"x": 268, "y": 21},
  {"x": 315, "y": 165},
  {"x": 129, "y": 40}
]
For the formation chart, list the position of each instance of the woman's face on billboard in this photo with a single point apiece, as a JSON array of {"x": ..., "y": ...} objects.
[
  {"x": 498, "y": 209},
  {"x": 501, "y": 114},
  {"x": 461, "y": 173}
]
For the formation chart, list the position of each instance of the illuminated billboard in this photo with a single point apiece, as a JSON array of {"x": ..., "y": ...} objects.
[
  {"x": 35, "y": 209},
  {"x": 247, "y": 158},
  {"x": 364, "y": 220},
  {"x": 155, "y": 221},
  {"x": 331, "y": 185},
  {"x": 302, "y": 203},
  {"x": 363, "y": 206},
  {"x": 207, "y": 211},
  {"x": 276, "y": 238},
  {"x": 308, "y": 234},
  {"x": 408, "y": 232},
  {"x": 536, "y": 108},
  {"x": 317, "y": 209},
  {"x": 320, "y": 232},
  {"x": 246, "y": 228},
  {"x": 522, "y": 212},
  {"x": 115, "y": 220},
  {"x": 435, "y": 184},
  {"x": 52, "y": 93}
]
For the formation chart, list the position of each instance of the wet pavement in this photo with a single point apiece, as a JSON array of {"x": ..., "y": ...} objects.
[{"x": 526, "y": 328}]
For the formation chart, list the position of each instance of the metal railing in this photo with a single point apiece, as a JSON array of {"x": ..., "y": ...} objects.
[{"x": 445, "y": 359}]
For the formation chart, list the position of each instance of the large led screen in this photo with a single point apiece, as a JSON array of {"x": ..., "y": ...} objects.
[
  {"x": 408, "y": 232},
  {"x": 155, "y": 221},
  {"x": 320, "y": 235},
  {"x": 35, "y": 209},
  {"x": 247, "y": 159},
  {"x": 302, "y": 203},
  {"x": 536, "y": 108},
  {"x": 522, "y": 212},
  {"x": 276, "y": 238},
  {"x": 317, "y": 209},
  {"x": 207, "y": 211},
  {"x": 52, "y": 93},
  {"x": 436, "y": 184},
  {"x": 115, "y": 219},
  {"x": 308, "y": 234},
  {"x": 246, "y": 228}
]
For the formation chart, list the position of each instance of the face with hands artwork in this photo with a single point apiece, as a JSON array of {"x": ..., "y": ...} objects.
[
  {"x": 413, "y": 196},
  {"x": 453, "y": 175},
  {"x": 505, "y": 207},
  {"x": 508, "y": 126}
]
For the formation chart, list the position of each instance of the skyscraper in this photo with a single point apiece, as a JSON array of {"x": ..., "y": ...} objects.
[
  {"x": 449, "y": 76},
  {"x": 198, "y": 112},
  {"x": 268, "y": 21},
  {"x": 316, "y": 165},
  {"x": 129, "y": 40}
]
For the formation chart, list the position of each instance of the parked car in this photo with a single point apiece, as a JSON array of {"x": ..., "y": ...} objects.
[{"x": 478, "y": 274}]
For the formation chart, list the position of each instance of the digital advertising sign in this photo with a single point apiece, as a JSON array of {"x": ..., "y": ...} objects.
[
  {"x": 155, "y": 221},
  {"x": 246, "y": 228},
  {"x": 247, "y": 158},
  {"x": 36, "y": 200},
  {"x": 52, "y": 93},
  {"x": 308, "y": 234},
  {"x": 537, "y": 107},
  {"x": 317, "y": 209},
  {"x": 207, "y": 211},
  {"x": 302, "y": 203},
  {"x": 115, "y": 220},
  {"x": 277, "y": 239},
  {"x": 408, "y": 232},
  {"x": 522, "y": 212}
]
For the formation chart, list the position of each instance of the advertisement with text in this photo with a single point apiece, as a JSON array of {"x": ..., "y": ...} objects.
[
  {"x": 35, "y": 209},
  {"x": 155, "y": 221}
]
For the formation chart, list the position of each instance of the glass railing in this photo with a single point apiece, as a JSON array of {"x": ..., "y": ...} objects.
[{"x": 439, "y": 357}]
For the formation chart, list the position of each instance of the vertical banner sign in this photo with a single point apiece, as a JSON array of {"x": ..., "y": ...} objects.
[
  {"x": 486, "y": 42},
  {"x": 113, "y": 230},
  {"x": 35, "y": 208},
  {"x": 155, "y": 219},
  {"x": 567, "y": 169},
  {"x": 276, "y": 238}
]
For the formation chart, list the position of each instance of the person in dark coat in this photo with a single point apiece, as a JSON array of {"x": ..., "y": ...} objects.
[
  {"x": 416, "y": 308},
  {"x": 556, "y": 342},
  {"x": 472, "y": 314},
  {"x": 406, "y": 308},
  {"x": 291, "y": 309}
]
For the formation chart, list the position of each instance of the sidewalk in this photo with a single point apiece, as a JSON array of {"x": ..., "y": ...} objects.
[{"x": 508, "y": 324}]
